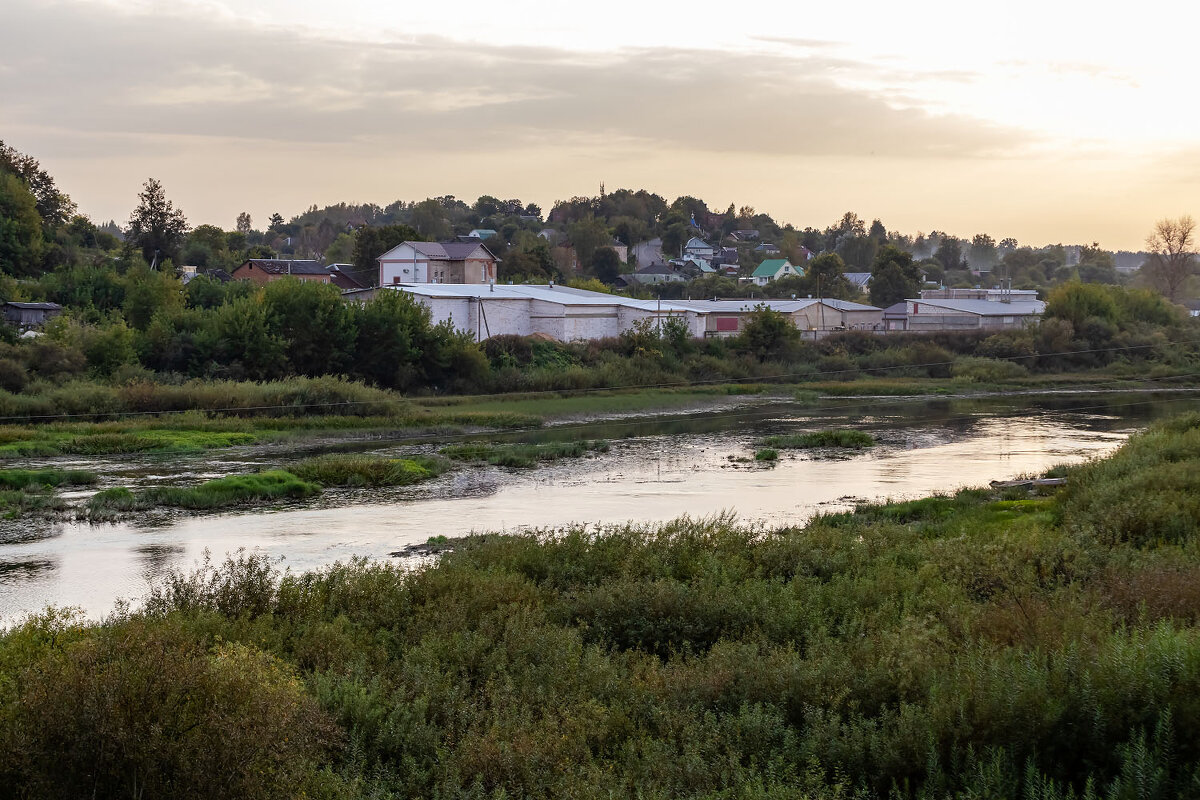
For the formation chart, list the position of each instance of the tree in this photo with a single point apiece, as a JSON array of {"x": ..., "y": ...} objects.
[
  {"x": 1172, "y": 253},
  {"x": 156, "y": 226},
  {"x": 54, "y": 207},
  {"x": 606, "y": 265},
  {"x": 244, "y": 224},
  {"x": 587, "y": 236},
  {"x": 949, "y": 253},
  {"x": 823, "y": 278},
  {"x": 275, "y": 222},
  {"x": 20, "y": 228},
  {"x": 983, "y": 252},
  {"x": 894, "y": 277},
  {"x": 370, "y": 243}
]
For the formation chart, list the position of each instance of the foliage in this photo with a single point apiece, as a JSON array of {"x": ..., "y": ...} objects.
[
  {"x": 20, "y": 228},
  {"x": 955, "y": 646},
  {"x": 365, "y": 470},
  {"x": 156, "y": 226},
  {"x": 894, "y": 277},
  {"x": 230, "y": 490},
  {"x": 522, "y": 455},
  {"x": 852, "y": 439}
]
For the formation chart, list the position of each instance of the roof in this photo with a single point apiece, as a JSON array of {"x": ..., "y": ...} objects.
[
  {"x": 985, "y": 308},
  {"x": 657, "y": 268},
  {"x": 283, "y": 266},
  {"x": 896, "y": 311},
  {"x": 35, "y": 306},
  {"x": 747, "y": 305},
  {"x": 771, "y": 267},
  {"x": 583, "y": 297},
  {"x": 1192, "y": 305},
  {"x": 767, "y": 246},
  {"x": 445, "y": 251},
  {"x": 859, "y": 279},
  {"x": 697, "y": 243}
]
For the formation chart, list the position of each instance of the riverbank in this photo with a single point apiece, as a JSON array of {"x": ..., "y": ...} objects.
[{"x": 946, "y": 646}]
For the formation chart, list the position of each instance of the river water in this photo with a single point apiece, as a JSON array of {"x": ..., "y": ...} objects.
[{"x": 657, "y": 469}]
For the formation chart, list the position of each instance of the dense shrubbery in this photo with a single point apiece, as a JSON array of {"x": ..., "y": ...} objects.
[
  {"x": 950, "y": 647},
  {"x": 197, "y": 349}
]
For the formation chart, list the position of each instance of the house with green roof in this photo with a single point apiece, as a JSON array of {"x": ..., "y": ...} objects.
[{"x": 773, "y": 269}]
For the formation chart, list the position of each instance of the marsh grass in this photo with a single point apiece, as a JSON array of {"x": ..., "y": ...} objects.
[
  {"x": 366, "y": 470},
  {"x": 848, "y": 439},
  {"x": 23, "y": 478},
  {"x": 522, "y": 456},
  {"x": 224, "y": 492},
  {"x": 961, "y": 646}
]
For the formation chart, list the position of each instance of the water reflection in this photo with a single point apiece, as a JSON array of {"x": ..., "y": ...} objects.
[{"x": 657, "y": 469}]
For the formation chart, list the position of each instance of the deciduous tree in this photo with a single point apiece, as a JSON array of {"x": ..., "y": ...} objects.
[{"x": 1172, "y": 248}]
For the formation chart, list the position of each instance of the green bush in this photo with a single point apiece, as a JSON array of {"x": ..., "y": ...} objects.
[
  {"x": 230, "y": 490},
  {"x": 365, "y": 470},
  {"x": 851, "y": 439},
  {"x": 987, "y": 370}
]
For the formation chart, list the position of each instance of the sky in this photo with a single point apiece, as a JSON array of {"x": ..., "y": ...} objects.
[{"x": 1045, "y": 121}]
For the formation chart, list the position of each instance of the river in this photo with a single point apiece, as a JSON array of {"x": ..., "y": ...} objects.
[{"x": 658, "y": 468}]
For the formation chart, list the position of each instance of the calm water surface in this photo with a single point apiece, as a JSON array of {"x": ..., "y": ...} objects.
[{"x": 657, "y": 469}]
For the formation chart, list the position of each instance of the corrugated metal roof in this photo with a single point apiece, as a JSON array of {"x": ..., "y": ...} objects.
[
  {"x": 984, "y": 308},
  {"x": 567, "y": 295}
]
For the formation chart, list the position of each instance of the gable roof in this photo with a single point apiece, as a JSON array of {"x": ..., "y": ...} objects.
[
  {"x": 656, "y": 268},
  {"x": 770, "y": 267},
  {"x": 859, "y": 279},
  {"x": 285, "y": 266},
  {"x": 446, "y": 251},
  {"x": 696, "y": 243},
  {"x": 34, "y": 306}
]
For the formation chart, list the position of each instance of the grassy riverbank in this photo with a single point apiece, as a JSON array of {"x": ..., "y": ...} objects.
[{"x": 968, "y": 646}]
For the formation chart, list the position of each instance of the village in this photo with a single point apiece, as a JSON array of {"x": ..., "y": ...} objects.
[{"x": 458, "y": 282}]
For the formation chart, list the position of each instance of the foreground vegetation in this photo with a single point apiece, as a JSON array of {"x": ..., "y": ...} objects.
[
  {"x": 965, "y": 646},
  {"x": 846, "y": 438}
]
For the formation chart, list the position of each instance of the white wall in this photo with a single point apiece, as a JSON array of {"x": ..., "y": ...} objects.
[{"x": 392, "y": 267}]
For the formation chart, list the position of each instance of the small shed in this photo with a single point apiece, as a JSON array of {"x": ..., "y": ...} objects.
[{"x": 30, "y": 315}]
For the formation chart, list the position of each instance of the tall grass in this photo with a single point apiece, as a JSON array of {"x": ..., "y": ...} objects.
[
  {"x": 522, "y": 455},
  {"x": 961, "y": 646},
  {"x": 366, "y": 470},
  {"x": 851, "y": 439}
]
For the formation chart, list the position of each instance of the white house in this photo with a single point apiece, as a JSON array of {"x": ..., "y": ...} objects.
[
  {"x": 773, "y": 269},
  {"x": 437, "y": 262},
  {"x": 698, "y": 247}
]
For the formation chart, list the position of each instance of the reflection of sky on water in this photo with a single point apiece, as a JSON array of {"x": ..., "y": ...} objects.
[{"x": 669, "y": 468}]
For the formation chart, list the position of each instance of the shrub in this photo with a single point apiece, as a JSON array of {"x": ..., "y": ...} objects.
[
  {"x": 987, "y": 370},
  {"x": 365, "y": 470},
  {"x": 852, "y": 439},
  {"x": 231, "y": 490}
]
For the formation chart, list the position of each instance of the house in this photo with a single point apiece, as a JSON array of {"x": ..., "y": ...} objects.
[
  {"x": 30, "y": 315},
  {"x": 726, "y": 255},
  {"x": 774, "y": 269},
  {"x": 655, "y": 273},
  {"x": 1193, "y": 307},
  {"x": 621, "y": 248},
  {"x": 895, "y": 317},
  {"x": 698, "y": 247},
  {"x": 804, "y": 254},
  {"x": 859, "y": 280},
  {"x": 482, "y": 234},
  {"x": 767, "y": 248},
  {"x": 958, "y": 315},
  {"x": 265, "y": 270},
  {"x": 437, "y": 262},
  {"x": 344, "y": 276},
  {"x": 648, "y": 252},
  {"x": 744, "y": 235}
]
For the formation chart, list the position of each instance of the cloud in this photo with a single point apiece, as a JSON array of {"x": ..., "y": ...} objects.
[{"x": 125, "y": 78}]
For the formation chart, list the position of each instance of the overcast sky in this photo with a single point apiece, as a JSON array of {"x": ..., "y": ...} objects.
[{"x": 1047, "y": 121}]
